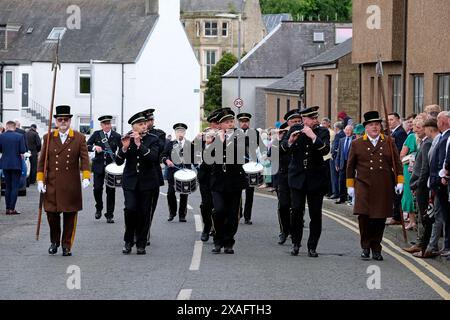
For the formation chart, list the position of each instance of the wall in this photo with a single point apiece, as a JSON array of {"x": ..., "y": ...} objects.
[
  {"x": 317, "y": 91},
  {"x": 271, "y": 106},
  {"x": 348, "y": 93}
]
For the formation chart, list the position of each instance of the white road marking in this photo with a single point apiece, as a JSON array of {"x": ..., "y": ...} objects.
[
  {"x": 190, "y": 207},
  {"x": 185, "y": 294},
  {"x": 198, "y": 223},
  {"x": 196, "y": 256},
  {"x": 163, "y": 194},
  {"x": 178, "y": 200}
]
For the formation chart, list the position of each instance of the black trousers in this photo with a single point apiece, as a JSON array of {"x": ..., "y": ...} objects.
[
  {"x": 284, "y": 203},
  {"x": 249, "y": 195},
  {"x": 99, "y": 181},
  {"x": 298, "y": 201},
  {"x": 69, "y": 227},
  {"x": 138, "y": 206},
  {"x": 206, "y": 206},
  {"x": 445, "y": 207},
  {"x": 425, "y": 225},
  {"x": 172, "y": 201},
  {"x": 33, "y": 167},
  {"x": 342, "y": 183},
  {"x": 12, "y": 183},
  {"x": 153, "y": 209},
  {"x": 328, "y": 175},
  {"x": 226, "y": 216},
  {"x": 371, "y": 232}
]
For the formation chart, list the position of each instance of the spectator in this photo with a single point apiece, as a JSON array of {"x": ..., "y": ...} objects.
[
  {"x": 2, "y": 129},
  {"x": 12, "y": 147},
  {"x": 359, "y": 131},
  {"x": 433, "y": 110},
  {"x": 409, "y": 127},
  {"x": 345, "y": 119},
  {"x": 34, "y": 145},
  {"x": 21, "y": 131},
  {"x": 339, "y": 133},
  {"x": 326, "y": 123},
  {"x": 341, "y": 162}
]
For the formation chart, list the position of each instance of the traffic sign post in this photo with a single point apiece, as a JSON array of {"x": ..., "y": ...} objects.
[{"x": 239, "y": 103}]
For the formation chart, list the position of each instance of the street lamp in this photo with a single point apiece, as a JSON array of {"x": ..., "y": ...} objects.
[{"x": 91, "y": 121}]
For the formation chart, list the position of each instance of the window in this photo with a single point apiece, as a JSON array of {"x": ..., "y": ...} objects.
[
  {"x": 278, "y": 109},
  {"x": 84, "y": 76},
  {"x": 444, "y": 91},
  {"x": 84, "y": 125},
  {"x": 9, "y": 76},
  {"x": 198, "y": 29},
  {"x": 288, "y": 105},
  {"x": 319, "y": 37},
  {"x": 210, "y": 29},
  {"x": 418, "y": 93},
  {"x": 210, "y": 56},
  {"x": 197, "y": 54},
  {"x": 56, "y": 33},
  {"x": 299, "y": 104},
  {"x": 396, "y": 82},
  {"x": 224, "y": 29}
]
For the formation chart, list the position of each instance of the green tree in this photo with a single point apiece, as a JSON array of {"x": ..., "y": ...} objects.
[{"x": 213, "y": 94}]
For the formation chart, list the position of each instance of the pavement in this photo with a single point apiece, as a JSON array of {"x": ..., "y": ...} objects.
[{"x": 179, "y": 266}]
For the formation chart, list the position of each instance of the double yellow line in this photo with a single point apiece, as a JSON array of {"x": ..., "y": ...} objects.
[{"x": 397, "y": 253}]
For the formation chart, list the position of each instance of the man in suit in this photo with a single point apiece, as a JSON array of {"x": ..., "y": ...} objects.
[
  {"x": 399, "y": 134},
  {"x": 371, "y": 181},
  {"x": 178, "y": 154},
  {"x": 140, "y": 153},
  {"x": 104, "y": 143},
  {"x": 307, "y": 145},
  {"x": 21, "y": 131},
  {"x": 67, "y": 156},
  {"x": 34, "y": 145},
  {"x": 12, "y": 147},
  {"x": 339, "y": 134},
  {"x": 341, "y": 162}
]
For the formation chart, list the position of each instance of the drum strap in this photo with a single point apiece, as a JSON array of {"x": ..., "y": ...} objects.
[{"x": 107, "y": 146}]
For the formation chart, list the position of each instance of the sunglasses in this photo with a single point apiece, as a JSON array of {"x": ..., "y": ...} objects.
[{"x": 63, "y": 119}]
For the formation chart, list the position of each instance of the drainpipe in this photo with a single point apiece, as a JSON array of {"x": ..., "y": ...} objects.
[
  {"x": 405, "y": 52},
  {"x": 2, "y": 64},
  {"x": 123, "y": 98}
]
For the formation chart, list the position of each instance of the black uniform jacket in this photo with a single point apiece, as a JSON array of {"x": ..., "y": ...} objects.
[{"x": 102, "y": 159}]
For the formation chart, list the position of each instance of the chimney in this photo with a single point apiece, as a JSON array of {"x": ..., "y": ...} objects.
[{"x": 151, "y": 7}]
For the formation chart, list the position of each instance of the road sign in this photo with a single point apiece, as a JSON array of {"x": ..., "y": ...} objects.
[{"x": 238, "y": 103}]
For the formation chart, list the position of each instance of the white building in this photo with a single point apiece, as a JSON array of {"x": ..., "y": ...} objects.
[{"x": 117, "y": 57}]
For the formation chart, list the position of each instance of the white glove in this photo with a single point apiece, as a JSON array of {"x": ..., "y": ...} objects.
[
  {"x": 41, "y": 187},
  {"x": 85, "y": 183},
  {"x": 351, "y": 192},
  {"x": 399, "y": 188}
]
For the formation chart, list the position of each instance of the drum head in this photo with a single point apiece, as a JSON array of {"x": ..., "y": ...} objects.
[
  {"x": 185, "y": 175},
  {"x": 253, "y": 167},
  {"x": 114, "y": 168}
]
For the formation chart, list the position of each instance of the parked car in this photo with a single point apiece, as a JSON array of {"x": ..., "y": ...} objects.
[{"x": 24, "y": 179}]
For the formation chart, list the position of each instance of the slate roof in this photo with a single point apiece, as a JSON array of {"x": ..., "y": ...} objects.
[
  {"x": 111, "y": 30},
  {"x": 294, "y": 81},
  {"x": 331, "y": 56},
  {"x": 273, "y": 20},
  {"x": 223, "y": 6},
  {"x": 284, "y": 50}
]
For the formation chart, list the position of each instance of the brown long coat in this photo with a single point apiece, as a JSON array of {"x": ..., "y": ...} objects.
[
  {"x": 370, "y": 172},
  {"x": 63, "y": 172}
]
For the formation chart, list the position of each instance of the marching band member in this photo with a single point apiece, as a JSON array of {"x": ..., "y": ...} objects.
[
  {"x": 370, "y": 179},
  {"x": 306, "y": 177},
  {"x": 139, "y": 181},
  {"x": 67, "y": 156},
  {"x": 104, "y": 143},
  {"x": 178, "y": 154},
  {"x": 227, "y": 182}
]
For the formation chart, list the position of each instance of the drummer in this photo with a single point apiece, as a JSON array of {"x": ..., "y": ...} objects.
[
  {"x": 104, "y": 143},
  {"x": 177, "y": 155}
]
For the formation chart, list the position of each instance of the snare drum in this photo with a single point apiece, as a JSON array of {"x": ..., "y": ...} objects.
[
  {"x": 113, "y": 175},
  {"x": 254, "y": 172},
  {"x": 185, "y": 181}
]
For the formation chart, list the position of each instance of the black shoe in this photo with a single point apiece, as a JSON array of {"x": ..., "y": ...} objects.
[
  {"x": 66, "y": 252},
  {"x": 182, "y": 219},
  {"x": 312, "y": 253},
  {"x": 295, "y": 249},
  {"x": 228, "y": 250},
  {"x": 127, "y": 248},
  {"x": 339, "y": 202},
  {"x": 98, "y": 214},
  {"x": 365, "y": 254},
  {"x": 212, "y": 233},
  {"x": 171, "y": 217},
  {"x": 53, "y": 248},
  {"x": 333, "y": 197},
  {"x": 148, "y": 243},
  {"x": 109, "y": 220},
  {"x": 141, "y": 251},
  {"x": 248, "y": 222},
  {"x": 377, "y": 256},
  {"x": 282, "y": 238},
  {"x": 217, "y": 248},
  {"x": 205, "y": 236}
]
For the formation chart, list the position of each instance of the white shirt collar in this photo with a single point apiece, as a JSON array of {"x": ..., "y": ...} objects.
[
  {"x": 443, "y": 133},
  {"x": 396, "y": 128},
  {"x": 374, "y": 141}
]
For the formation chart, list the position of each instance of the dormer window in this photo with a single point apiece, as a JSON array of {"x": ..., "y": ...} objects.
[
  {"x": 319, "y": 37},
  {"x": 56, "y": 33}
]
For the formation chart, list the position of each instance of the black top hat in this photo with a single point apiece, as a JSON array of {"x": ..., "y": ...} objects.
[
  {"x": 105, "y": 118},
  {"x": 292, "y": 114},
  {"x": 149, "y": 113},
  {"x": 310, "y": 112},
  {"x": 244, "y": 116},
  {"x": 138, "y": 117},
  {"x": 225, "y": 114},
  {"x": 177, "y": 126},
  {"x": 371, "y": 116},
  {"x": 63, "y": 111}
]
